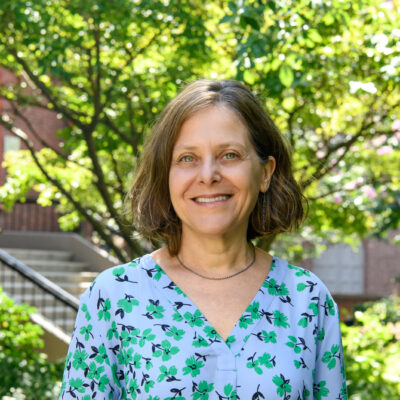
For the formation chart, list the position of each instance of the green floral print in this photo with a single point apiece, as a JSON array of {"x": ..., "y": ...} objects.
[{"x": 138, "y": 336}]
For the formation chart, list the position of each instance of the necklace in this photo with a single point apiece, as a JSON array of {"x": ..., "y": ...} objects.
[{"x": 222, "y": 277}]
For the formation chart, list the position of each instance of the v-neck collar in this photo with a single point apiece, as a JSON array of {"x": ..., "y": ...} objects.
[{"x": 185, "y": 308}]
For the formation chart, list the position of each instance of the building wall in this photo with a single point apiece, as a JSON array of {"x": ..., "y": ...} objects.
[
  {"x": 342, "y": 269},
  {"x": 45, "y": 122},
  {"x": 382, "y": 266},
  {"x": 357, "y": 275},
  {"x": 28, "y": 216}
]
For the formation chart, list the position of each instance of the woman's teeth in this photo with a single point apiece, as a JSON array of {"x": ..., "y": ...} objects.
[{"x": 210, "y": 199}]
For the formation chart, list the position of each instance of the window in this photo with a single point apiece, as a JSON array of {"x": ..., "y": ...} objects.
[{"x": 11, "y": 143}]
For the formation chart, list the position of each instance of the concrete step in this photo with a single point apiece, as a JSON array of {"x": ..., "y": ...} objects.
[
  {"x": 59, "y": 277},
  {"x": 18, "y": 288},
  {"x": 63, "y": 279},
  {"x": 34, "y": 254},
  {"x": 42, "y": 265},
  {"x": 44, "y": 302},
  {"x": 54, "y": 313},
  {"x": 36, "y": 299},
  {"x": 62, "y": 321},
  {"x": 66, "y": 325},
  {"x": 60, "y": 311},
  {"x": 57, "y": 266},
  {"x": 62, "y": 316},
  {"x": 76, "y": 289}
]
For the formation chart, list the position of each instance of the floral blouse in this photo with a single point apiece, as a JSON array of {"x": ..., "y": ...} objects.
[{"x": 138, "y": 336}]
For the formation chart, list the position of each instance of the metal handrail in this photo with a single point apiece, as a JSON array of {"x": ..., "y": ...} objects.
[
  {"x": 25, "y": 285},
  {"x": 39, "y": 280}
]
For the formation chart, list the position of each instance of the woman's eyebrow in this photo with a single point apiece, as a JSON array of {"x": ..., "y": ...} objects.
[
  {"x": 230, "y": 144},
  {"x": 219, "y": 146}
]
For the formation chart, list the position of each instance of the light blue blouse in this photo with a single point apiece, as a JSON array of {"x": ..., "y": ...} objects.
[{"x": 137, "y": 336}]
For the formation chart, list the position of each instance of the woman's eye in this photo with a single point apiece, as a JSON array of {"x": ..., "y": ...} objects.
[
  {"x": 186, "y": 159},
  {"x": 230, "y": 156}
]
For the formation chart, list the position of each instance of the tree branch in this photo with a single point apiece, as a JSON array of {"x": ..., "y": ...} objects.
[
  {"x": 111, "y": 124},
  {"x": 82, "y": 210},
  {"x": 68, "y": 113},
  {"x": 34, "y": 132},
  {"x": 118, "y": 176},
  {"x": 131, "y": 58},
  {"x": 101, "y": 185},
  {"x": 324, "y": 168},
  {"x": 43, "y": 142},
  {"x": 97, "y": 79},
  {"x": 133, "y": 133},
  {"x": 31, "y": 100},
  {"x": 290, "y": 124},
  {"x": 335, "y": 190}
]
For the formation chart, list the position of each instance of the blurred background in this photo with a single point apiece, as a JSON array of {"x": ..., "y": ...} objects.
[{"x": 81, "y": 84}]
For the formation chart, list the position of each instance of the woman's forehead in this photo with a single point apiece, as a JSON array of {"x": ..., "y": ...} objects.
[{"x": 216, "y": 124}]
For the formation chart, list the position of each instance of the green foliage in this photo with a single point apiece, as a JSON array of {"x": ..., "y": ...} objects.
[
  {"x": 23, "y": 369},
  {"x": 327, "y": 72},
  {"x": 372, "y": 351},
  {"x": 331, "y": 73},
  {"x": 388, "y": 309},
  {"x": 106, "y": 69}
]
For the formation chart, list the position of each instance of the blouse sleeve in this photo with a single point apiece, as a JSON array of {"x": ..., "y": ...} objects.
[
  {"x": 89, "y": 367},
  {"x": 329, "y": 374}
]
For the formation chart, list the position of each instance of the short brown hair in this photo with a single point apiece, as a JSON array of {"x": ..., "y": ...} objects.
[{"x": 151, "y": 207}]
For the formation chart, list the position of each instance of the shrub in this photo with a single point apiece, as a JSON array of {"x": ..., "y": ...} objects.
[
  {"x": 24, "y": 370},
  {"x": 372, "y": 351}
]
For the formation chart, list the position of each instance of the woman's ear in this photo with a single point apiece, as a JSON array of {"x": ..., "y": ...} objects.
[{"x": 268, "y": 168}]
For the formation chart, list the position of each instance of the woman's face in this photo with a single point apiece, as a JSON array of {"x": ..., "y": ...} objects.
[{"x": 215, "y": 175}]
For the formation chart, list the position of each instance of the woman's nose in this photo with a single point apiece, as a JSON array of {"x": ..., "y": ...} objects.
[{"x": 209, "y": 171}]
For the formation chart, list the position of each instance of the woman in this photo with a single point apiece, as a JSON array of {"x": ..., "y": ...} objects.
[{"x": 209, "y": 316}]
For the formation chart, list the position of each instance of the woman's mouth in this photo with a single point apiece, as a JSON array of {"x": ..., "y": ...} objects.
[{"x": 212, "y": 199}]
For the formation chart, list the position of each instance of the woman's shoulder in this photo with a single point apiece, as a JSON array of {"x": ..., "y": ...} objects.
[
  {"x": 300, "y": 279},
  {"x": 127, "y": 273}
]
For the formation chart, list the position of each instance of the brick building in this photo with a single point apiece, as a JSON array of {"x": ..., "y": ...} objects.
[
  {"x": 27, "y": 216},
  {"x": 367, "y": 273}
]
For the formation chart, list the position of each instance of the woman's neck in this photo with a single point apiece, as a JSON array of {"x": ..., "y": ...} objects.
[{"x": 215, "y": 255}]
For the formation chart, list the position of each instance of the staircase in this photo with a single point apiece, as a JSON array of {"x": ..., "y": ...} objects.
[
  {"x": 57, "y": 266},
  {"x": 50, "y": 271}
]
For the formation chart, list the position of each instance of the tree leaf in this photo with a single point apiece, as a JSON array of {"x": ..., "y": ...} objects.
[{"x": 286, "y": 75}]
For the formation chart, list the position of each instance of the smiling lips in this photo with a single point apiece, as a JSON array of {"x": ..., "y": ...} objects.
[{"x": 211, "y": 199}]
